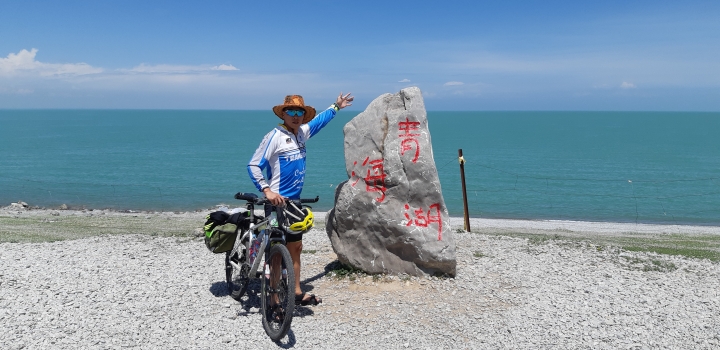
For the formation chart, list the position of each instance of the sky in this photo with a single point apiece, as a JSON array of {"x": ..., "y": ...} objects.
[{"x": 463, "y": 55}]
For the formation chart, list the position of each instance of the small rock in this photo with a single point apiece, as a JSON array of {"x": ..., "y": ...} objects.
[{"x": 17, "y": 206}]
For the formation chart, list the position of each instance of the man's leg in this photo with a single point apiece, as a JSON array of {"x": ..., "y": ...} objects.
[{"x": 295, "y": 249}]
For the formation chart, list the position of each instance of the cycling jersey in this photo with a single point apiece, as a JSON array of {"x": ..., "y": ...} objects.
[{"x": 282, "y": 155}]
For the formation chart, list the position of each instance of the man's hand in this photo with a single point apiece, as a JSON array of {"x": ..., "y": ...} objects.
[
  {"x": 274, "y": 198},
  {"x": 344, "y": 101}
]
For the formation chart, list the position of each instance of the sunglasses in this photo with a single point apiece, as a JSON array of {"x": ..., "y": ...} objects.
[{"x": 294, "y": 113}]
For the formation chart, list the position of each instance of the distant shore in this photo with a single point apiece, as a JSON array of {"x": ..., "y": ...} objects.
[{"x": 479, "y": 224}]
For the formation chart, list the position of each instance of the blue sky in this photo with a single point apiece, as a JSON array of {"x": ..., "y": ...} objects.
[{"x": 464, "y": 55}]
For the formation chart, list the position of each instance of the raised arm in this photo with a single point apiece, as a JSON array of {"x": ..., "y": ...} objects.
[
  {"x": 326, "y": 116},
  {"x": 344, "y": 101}
]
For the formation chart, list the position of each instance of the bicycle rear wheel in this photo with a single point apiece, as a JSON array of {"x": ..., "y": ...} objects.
[
  {"x": 237, "y": 279},
  {"x": 277, "y": 292}
]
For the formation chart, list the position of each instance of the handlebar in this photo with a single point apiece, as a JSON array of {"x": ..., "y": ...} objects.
[
  {"x": 310, "y": 200},
  {"x": 252, "y": 197},
  {"x": 246, "y": 196}
]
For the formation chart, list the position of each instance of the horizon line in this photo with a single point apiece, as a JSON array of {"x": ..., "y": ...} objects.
[{"x": 359, "y": 110}]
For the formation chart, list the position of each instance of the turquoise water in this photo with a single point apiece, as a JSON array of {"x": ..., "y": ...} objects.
[{"x": 605, "y": 166}]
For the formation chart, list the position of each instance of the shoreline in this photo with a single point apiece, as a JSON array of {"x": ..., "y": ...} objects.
[
  {"x": 457, "y": 220},
  {"x": 599, "y": 227},
  {"x": 19, "y": 224},
  {"x": 481, "y": 224}
]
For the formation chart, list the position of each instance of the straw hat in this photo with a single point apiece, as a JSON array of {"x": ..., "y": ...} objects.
[{"x": 295, "y": 101}]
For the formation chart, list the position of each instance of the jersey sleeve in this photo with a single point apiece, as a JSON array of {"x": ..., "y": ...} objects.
[
  {"x": 260, "y": 161},
  {"x": 319, "y": 122}
]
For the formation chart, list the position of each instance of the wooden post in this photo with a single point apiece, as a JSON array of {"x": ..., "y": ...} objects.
[{"x": 464, "y": 191}]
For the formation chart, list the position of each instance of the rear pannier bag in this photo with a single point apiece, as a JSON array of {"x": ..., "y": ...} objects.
[
  {"x": 222, "y": 238},
  {"x": 221, "y": 230}
]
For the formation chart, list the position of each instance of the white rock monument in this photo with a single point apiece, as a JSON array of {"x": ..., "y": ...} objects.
[{"x": 390, "y": 216}]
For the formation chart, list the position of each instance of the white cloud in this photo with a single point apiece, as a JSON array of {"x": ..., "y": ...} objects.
[
  {"x": 404, "y": 81},
  {"x": 14, "y": 91},
  {"x": 176, "y": 69},
  {"x": 570, "y": 68},
  {"x": 626, "y": 85},
  {"x": 454, "y": 83},
  {"x": 23, "y": 60},
  {"x": 162, "y": 68},
  {"x": 24, "y": 63},
  {"x": 164, "y": 85},
  {"x": 224, "y": 67}
]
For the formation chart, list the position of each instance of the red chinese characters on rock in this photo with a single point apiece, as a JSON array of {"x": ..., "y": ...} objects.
[
  {"x": 409, "y": 138},
  {"x": 375, "y": 177},
  {"x": 423, "y": 219}
]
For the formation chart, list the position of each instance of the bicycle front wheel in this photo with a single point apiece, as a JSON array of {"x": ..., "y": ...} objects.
[{"x": 277, "y": 292}]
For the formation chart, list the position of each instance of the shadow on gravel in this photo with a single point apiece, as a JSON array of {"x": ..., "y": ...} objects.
[
  {"x": 219, "y": 289},
  {"x": 290, "y": 342},
  {"x": 329, "y": 267},
  {"x": 302, "y": 311},
  {"x": 251, "y": 299}
]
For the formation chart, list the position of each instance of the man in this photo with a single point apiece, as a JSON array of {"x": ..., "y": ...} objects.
[{"x": 282, "y": 155}]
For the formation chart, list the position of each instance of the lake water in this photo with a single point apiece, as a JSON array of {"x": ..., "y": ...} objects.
[{"x": 600, "y": 166}]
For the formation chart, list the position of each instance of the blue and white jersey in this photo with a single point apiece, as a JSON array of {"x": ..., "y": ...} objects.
[{"x": 282, "y": 155}]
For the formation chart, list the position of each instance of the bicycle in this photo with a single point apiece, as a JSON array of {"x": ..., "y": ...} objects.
[{"x": 277, "y": 286}]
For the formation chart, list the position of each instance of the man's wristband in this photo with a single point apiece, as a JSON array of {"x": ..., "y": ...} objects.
[{"x": 335, "y": 106}]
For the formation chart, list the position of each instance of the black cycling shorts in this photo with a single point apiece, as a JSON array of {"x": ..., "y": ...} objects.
[{"x": 294, "y": 238}]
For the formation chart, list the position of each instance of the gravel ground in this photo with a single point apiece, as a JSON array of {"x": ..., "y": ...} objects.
[{"x": 120, "y": 291}]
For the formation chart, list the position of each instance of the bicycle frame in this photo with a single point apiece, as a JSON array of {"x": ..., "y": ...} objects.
[
  {"x": 266, "y": 232},
  {"x": 263, "y": 227}
]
